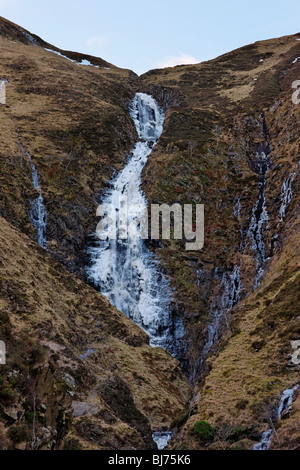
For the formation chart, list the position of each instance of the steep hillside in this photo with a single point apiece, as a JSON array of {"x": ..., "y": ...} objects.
[
  {"x": 84, "y": 369},
  {"x": 230, "y": 141},
  {"x": 209, "y": 152},
  {"x": 73, "y": 121}
]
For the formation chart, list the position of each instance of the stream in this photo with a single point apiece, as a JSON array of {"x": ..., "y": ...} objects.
[
  {"x": 285, "y": 404},
  {"x": 38, "y": 214},
  {"x": 122, "y": 267}
]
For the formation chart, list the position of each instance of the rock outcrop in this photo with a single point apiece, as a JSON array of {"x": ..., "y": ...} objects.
[{"x": 79, "y": 373}]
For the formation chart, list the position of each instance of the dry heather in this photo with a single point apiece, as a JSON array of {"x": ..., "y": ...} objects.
[{"x": 73, "y": 120}]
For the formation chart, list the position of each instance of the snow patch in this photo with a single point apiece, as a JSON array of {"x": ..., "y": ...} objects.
[
  {"x": 87, "y": 62},
  {"x": 61, "y": 55},
  {"x": 82, "y": 62}
]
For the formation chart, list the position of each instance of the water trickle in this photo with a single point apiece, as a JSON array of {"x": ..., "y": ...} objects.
[
  {"x": 237, "y": 208},
  {"x": 125, "y": 270},
  {"x": 38, "y": 214},
  {"x": 230, "y": 289},
  {"x": 286, "y": 401},
  {"x": 286, "y": 195},
  {"x": 265, "y": 441},
  {"x": 259, "y": 219},
  {"x": 86, "y": 354}
]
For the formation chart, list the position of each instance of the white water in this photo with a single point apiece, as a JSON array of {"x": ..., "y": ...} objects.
[
  {"x": 161, "y": 439},
  {"x": 265, "y": 441},
  {"x": 285, "y": 403},
  {"x": 259, "y": 219},
  {"x": 286, "y": 194},
  {"x": 125, "y": 270},
  {"x": 230, "y": 294},
  {"x": 38, "y": 212},
  {"x": 286, "y": 400},
  {"x": 286, "y": 197}
]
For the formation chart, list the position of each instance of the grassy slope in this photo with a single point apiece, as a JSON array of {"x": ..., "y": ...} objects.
[
  {"x": 210, "y": 132},
  {"x": 212, "y": 111},
  {"x": 41, "y": 304},
  {"x": 253, "y": 366},
  {"x": 207, "y": 104},
  {"x": 73, "y": 120}
]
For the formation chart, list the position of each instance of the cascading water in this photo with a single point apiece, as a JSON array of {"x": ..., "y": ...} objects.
[
  {"x": 161, "y": 439},
  {"x": 231, "y": 289},
  {"x": 285, "y": 403},
  {"x": 265, "y": 441},
  {"x": 259, "y": 219},
  {"x": 125, "y": 270},
  {"x": 38, "y": 212},
  {"x": 286, "y": 194},
  {"x": 230, "y": 295},
  {"x": 230, "y": 284}
]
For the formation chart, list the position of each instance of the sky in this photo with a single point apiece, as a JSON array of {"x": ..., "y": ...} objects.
[{"x": 142, "y": 35}]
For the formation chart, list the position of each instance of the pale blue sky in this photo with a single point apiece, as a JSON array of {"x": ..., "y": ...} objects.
[{"x": 142, "y": 35}]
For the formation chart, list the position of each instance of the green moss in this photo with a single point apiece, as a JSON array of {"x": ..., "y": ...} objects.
[
  {"x": 204, "y": 431},
  {"x": 29, "y": 415}
]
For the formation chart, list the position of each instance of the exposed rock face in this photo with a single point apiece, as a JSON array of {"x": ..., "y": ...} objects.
[
  {"x": 230, "y": 141},
  {"x": 73, "y": 121},
  {"x": 54, "y": 395}
]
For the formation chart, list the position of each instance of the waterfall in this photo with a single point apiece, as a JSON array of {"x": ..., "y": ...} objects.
[
  {"x": 230, "y": 288},
  {"x": 259, "y": 219},
  {"x": 285, "y": 403},
  {"x": 38, "y": 214},
  {"x": 124, "y": 269},
  {"x": 286, "y": 197},
  {"x": 286, "y": 194},
  {"x": 230, "y": 284},
  {"x": 161, "y": 439},
  {"x": 230, "y": 295},
  {"x": 265, "y": 441}
]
